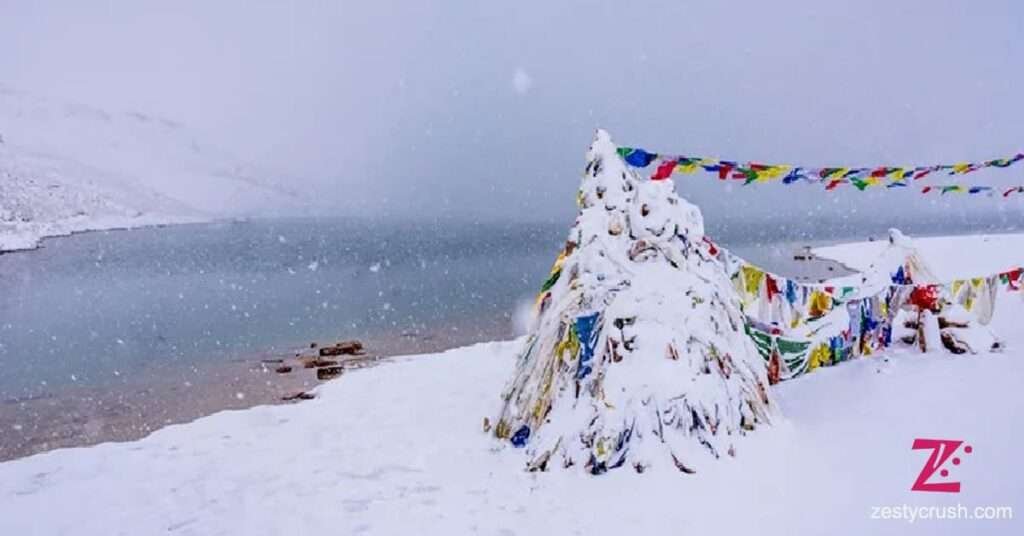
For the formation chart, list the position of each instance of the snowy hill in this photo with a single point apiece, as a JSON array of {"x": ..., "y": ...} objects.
[{"x": 67, "y": 167}]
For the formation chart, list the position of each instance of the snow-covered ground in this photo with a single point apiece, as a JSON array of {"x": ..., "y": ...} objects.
[
  {"x": 67, "y": 167},
  {"x": 399, "y": 449},
  {"x": 954, "y": 256}
]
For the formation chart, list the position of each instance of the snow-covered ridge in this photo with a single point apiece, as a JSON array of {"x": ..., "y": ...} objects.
[{"x": 67, "y": 167}]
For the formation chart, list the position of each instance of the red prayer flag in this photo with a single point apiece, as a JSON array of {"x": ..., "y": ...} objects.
[
  {"x": 664, "y": 171},
  {"x": 925, "y": 297},
  {"x": 1013, "y": 278},
  {"x": 771, "y": 286}
]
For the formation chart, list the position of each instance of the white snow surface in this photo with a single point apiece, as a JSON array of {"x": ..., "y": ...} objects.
[
  {"x": 951, "y": 257},
  {"x": 399, "y": 449},
  {"x": 67, "y": 167}
]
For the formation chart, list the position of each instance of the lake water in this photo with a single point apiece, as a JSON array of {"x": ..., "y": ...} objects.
[{"x": 95, "y": 307}]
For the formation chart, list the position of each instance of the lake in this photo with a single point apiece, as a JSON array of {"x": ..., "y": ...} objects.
[{"x": 96, "y": 308}]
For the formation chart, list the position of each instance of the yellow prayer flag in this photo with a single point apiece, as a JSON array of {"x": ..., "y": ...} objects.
[
  {"x": 772, "y": 172},
  {"x": 821, "y": 303},
  {"x": 687, "y": 168},
  {"x": 820, "y": 356},
  {"x": 752, "y": 278}
]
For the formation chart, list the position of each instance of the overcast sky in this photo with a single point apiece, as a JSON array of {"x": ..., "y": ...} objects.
[{"x": 486, "y": 108}]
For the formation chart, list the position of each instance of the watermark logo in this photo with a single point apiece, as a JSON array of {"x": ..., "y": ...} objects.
[
  {"x": 913, "y": 513},
  {"x": 942, "y": 450}
]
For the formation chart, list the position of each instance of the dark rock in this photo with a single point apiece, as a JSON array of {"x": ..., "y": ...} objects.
[
  {"x": 301, "y": 395},
  {"x": 283, "y": 369},
  {"x": 327, "y": 373},
  {"x": 953, "y": 344},
  {"x": 315, "y": 362},
  {"x": 943, "y": 323},
  {"x": 343, "y": 348}
]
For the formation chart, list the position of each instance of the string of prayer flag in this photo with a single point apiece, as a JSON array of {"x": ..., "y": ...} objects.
[{"x": 861, "y": 178}]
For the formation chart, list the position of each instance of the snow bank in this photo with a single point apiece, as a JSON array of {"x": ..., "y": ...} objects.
[
  {"x": 398, "y": 449},
  {"x": 67, "y": 167}
]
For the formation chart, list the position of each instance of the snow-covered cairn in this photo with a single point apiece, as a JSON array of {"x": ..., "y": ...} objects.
[{"x": 637, "y": 356}]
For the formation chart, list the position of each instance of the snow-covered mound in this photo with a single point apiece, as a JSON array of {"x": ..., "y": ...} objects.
[
  {"x": 639, "y": 357},
  {"x": 67, "y": 167}
]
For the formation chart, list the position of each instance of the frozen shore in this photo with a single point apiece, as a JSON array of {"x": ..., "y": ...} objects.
[
  {"x": 399, "y": 448},
  {"x": 21, "y": 236},
  {"x": 160, "y": 395}
]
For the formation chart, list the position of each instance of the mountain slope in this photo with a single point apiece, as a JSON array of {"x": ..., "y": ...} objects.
[{"x": 67, "y": 167}]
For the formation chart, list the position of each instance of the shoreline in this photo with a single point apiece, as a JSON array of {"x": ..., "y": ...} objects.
[
  {"x": 137, "y": 404},
  {"x": 21, "y": 241},
  {"x": 26, "y": 241},
  {"x": 163, "y": 395}
]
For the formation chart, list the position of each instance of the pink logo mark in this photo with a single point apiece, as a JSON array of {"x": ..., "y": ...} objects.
[{"x": 942, "y": 449}]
